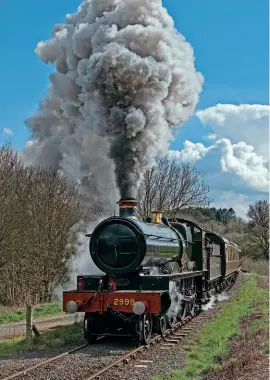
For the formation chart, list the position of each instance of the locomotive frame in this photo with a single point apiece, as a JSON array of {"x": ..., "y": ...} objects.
[{"x": 149, "y": 286}]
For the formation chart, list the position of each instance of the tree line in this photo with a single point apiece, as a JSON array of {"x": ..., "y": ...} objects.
[
  {"x": 39, "y": 207},
  {"x": 37, "y": 210}
]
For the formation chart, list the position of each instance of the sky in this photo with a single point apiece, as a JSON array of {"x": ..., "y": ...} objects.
[{"x": 226, "y": 139}]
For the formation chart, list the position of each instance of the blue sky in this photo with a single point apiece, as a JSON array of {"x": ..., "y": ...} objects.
[{"x": 230, "y": 40}]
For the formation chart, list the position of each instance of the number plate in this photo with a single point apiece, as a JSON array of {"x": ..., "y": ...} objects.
[{"x": 123, "y": 301}]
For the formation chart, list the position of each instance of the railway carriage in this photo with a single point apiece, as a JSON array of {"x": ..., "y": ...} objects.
[{"x": 155, "y": 273}]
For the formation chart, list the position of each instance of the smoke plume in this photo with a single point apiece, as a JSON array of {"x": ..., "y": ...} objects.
[{"x": 124, "y": 79}]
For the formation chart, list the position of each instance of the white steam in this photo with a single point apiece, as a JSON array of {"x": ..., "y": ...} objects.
[
  {"x": 154, "y": 271},
  {"x": 210, "y": 304},
  {"x": 176, "y": 301},
  {"x": 82, "y": 159},
  {"x": 82, "y": 263},
  {"x": 124, "y": 79},
  {"x": 215, "y": 298},
  {"x": 224, "y": 296}
]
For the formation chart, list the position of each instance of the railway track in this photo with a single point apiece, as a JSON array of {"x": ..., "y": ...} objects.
[
  {"x": 171, "y": 337},
  {"x": 42, "y": 364}
]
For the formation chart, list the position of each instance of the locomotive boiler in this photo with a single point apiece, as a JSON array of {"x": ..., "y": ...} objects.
[
  {"x": 155, "y": 273},
  {"x": 125, "y": 244}
]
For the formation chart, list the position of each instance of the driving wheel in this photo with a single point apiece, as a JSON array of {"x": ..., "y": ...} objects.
[
  {"x": 144, "y": 328},
  {"x": 161, "y": 324}
]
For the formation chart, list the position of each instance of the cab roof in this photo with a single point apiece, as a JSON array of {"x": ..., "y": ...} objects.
[{"x": 195, "y": 224}]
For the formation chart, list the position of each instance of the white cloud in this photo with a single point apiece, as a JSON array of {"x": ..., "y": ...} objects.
[
  {"x": 8, "y": 131},
  {"x": 30, "y": 143},
  {"x": 239, "y": 159},
  {"x": 191, "y": 153},
  {"x": 248, "y": 122},
  {"x": 212, "y": 136},
  {"x": 239, "y": 202},
  {"x": 242, "y": 160}
]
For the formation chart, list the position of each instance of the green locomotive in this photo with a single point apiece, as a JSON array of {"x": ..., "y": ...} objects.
[{"x": 155, "y": 274}]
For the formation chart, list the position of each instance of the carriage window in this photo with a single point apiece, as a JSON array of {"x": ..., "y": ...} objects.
[
  {"x": 197, "y": 235},
  {"x": 216, "y": 249}
]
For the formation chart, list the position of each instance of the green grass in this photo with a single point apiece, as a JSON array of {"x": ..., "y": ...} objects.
[
  {"x": 262, "y": 307},
  {"x": 214, "y": 338},
  {"x": 56, "y": 338},
  {"x": 11, "y": 315}
]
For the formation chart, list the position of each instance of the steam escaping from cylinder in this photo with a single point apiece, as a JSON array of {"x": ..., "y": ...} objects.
[
  {"x": 176, "y": 301},
  {"x": 223, "y": 296},
  {"x": 125, "y": 77}
]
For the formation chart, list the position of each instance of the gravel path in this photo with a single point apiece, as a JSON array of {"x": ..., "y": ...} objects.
[
  {"x": 160, "y": 359},
  {"x": 17, "y": 329}
]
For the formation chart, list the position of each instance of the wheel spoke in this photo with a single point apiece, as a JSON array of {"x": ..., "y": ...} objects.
[
  {"x": 147, "y": 328},
  {"x": 161, "y": 324}
]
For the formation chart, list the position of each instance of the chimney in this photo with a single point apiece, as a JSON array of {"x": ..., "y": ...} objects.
[{"x": 127, "y": 207}]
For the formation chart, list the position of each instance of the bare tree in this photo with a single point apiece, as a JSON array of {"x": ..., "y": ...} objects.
[
  {"x": 258, "y": 214},
  {"x": 171, "y": 186},
  {"x": 11, "y": 167},
  {"x": 38, "y": 208},
  {"x": 51, "y": 209}
]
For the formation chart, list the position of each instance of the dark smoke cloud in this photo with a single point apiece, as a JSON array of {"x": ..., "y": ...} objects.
[{"x": 125, "y": 78}]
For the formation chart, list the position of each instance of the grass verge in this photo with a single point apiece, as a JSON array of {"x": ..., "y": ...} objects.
[
  {"x": 17, "y": 315},
  {"x": 206, "y": 349},
  {"x": 56, "y": 338}
]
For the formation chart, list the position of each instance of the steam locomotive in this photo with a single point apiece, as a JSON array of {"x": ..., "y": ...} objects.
[{"x": 155, "y": 274}]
